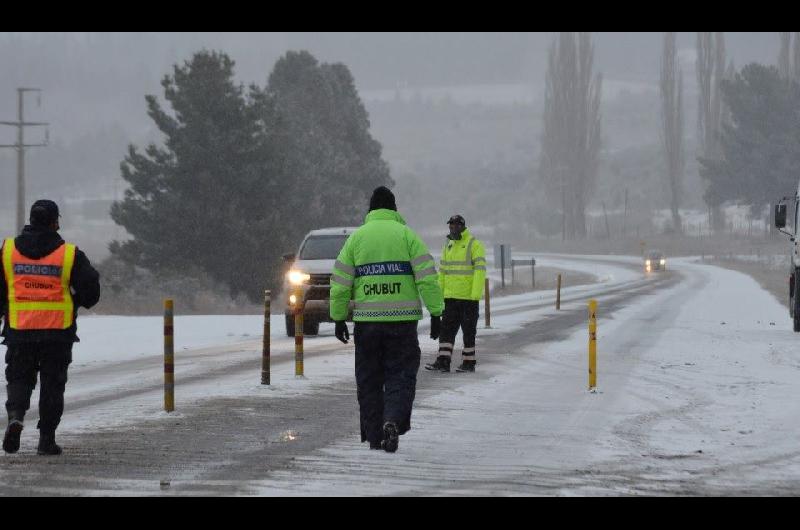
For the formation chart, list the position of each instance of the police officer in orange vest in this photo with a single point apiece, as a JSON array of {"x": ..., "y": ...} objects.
[{"x": 44, "y": 281}]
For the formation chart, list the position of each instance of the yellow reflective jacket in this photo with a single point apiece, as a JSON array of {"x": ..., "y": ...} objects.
[
  {"x": 384, "y": 267},
  {"x": 462, "y": 270}
]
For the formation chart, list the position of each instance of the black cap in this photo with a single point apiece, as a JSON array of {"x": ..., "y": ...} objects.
[
  {"x": 382, "y": 197},
  {"x": 44, "y": 212},
  {"x": 457, "y": 219}
]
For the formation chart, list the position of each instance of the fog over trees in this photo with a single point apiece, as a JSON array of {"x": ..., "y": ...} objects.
[{"x": 473, "y": 123}]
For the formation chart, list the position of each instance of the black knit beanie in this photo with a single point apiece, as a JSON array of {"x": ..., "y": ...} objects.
[{"x": 382, "y": 197}]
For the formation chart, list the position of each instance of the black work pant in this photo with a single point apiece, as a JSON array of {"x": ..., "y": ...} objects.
[
  {"x": 459, "y": 314},
  {"x": 387, "y": 361},
  {"x": 23, "y": 361}
]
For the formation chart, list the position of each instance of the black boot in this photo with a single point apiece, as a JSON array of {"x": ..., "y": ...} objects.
[
  {"x": 48, "y": 445},
  {"x": 11, "y": 439},
  {"x": 442, "y": 364},
  {"x": 466, "y": 366},
  {"x": 391, "y": 438}
]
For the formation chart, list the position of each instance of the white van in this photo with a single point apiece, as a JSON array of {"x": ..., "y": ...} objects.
[{"x": 310, "y": 273}]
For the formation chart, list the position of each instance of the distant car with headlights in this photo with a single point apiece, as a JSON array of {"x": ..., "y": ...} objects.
[
  {"x": 655, "y": 261},
  {"x": 308, "y": 280}
]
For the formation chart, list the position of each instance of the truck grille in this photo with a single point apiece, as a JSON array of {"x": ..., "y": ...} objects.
[
  {"x": 320, "y": 279},
  {"x": 318, "y": 292}
]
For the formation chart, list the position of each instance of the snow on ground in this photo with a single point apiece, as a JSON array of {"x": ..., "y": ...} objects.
[
  {"x": 739, "y": 217},
  {"x": 106, "y": 339},
  {"x": 122, "y": 355},
  {"x": 695, "y": 387},
  {"x": 117, "y": 338},
  {"x": 695, "y": 394}
]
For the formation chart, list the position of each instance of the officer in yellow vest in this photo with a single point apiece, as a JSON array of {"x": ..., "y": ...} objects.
[
  {"x": 44, "y": 281},
  {"x": 462, "y": 273}
]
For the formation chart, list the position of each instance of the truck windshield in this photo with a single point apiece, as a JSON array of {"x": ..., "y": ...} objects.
[{"x": 322, "y": 247}]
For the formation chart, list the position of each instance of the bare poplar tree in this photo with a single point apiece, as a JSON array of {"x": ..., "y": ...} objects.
[
  {"x": 716, "y": 95},
  {"x": 705, "y": 74},
  {"x": 710, "y": 71},
  {"x": 554, "y": 168},
  {"x": 571, "y": 137},
  {"x": 784, "y": 60},
  {"x": 588, "y": 127},
  {"x": 672, "y": 124}
]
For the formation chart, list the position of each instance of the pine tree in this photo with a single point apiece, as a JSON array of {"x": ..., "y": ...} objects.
[
  {"x": 193, "y": 202},
  {"x": 242, "y": 174},
  {"x": 760, "y": 146},
  {"x": 329, "y": 160}
]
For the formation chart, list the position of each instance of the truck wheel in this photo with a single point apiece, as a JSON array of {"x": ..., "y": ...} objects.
[{"x": 310, "y": 326}]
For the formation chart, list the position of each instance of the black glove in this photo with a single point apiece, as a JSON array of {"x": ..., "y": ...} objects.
[
  {"x": 436, "y": 324},
  {"x": 341, "y": 331}
]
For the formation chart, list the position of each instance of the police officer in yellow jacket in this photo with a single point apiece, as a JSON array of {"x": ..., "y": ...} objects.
[
  {"x": 462, "y": 273},
  {"x": 384, "y": 267}
]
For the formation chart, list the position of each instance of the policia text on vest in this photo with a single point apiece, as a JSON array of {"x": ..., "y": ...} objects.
[{"x": 44, "y": 280}]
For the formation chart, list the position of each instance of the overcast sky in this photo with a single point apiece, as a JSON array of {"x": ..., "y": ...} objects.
[{"x": 92, "y": 80}]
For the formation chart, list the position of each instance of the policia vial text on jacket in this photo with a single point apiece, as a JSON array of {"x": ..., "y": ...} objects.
[{"x": 385, "y": 268}]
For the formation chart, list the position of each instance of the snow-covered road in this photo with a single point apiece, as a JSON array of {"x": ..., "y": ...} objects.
[
  {"x": 696, "y": 372},
  {"x": 695, "y": 397}
]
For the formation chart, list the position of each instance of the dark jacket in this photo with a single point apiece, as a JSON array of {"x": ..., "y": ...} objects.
[{"x": 35, "y": 243}]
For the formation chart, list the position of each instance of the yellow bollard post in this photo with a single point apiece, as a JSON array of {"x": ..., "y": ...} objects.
[
  {"x": 265, "y": 343},
  {"x": 169, "y": 357},
  {"x": 592, "y": 345},
  {"x": 298, "y": 333},
  {"x": 486, "y": 303},
  {"x": 558, "y": 293}
]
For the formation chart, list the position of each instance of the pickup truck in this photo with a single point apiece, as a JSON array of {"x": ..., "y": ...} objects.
[{"x": 309, "y": 276}]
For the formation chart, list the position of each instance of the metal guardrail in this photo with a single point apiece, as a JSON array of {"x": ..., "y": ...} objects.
[{"x": 531, "y": 262}]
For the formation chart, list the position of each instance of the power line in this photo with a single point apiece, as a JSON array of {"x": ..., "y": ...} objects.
[{"x": 20, "y": 146}]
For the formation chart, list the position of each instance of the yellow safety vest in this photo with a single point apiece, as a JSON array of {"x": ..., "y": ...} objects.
[
  {"x": 38, "y": 289},
  {"x": 462, "y": 269}
]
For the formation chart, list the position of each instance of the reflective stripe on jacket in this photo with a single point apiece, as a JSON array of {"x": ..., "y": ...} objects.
[
  {"x": 38, "y": 289},
  {"x": 462, "y": 270},
  {"x": 385, "y": 268}
]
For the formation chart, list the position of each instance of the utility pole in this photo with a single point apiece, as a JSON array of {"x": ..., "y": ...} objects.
[
  {"x": 563, "y": 213},
  {"x": 20, "y": 146},
  {"x": 625, "y": 215},
  {"x": 560, "y": 168}
]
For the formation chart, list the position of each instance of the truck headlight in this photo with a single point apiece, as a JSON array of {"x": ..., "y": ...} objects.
[{"x": 297, "y": 277}]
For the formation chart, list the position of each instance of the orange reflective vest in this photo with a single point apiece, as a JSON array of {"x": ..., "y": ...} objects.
[{"x": 38, "y": 289}]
